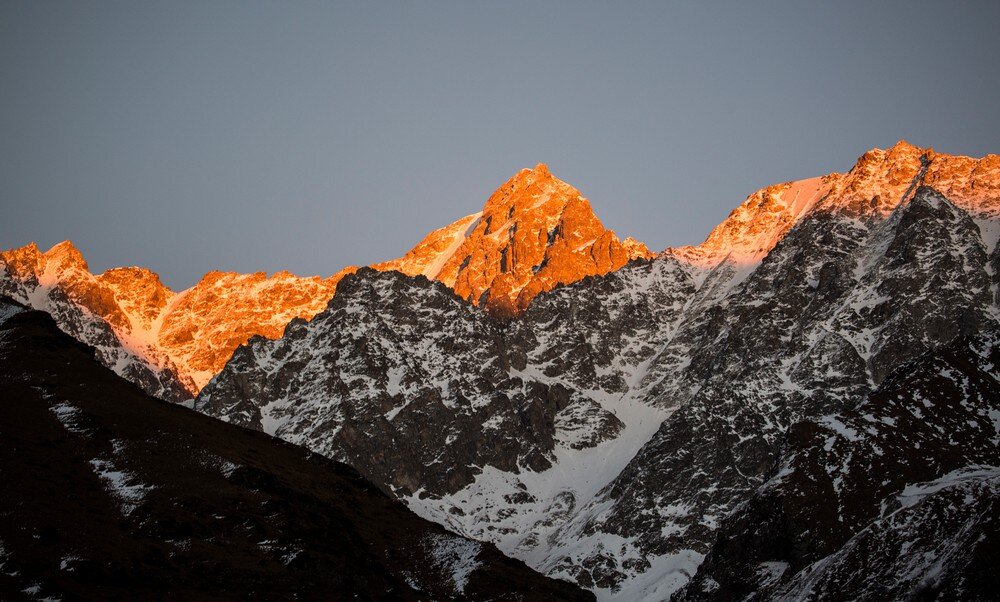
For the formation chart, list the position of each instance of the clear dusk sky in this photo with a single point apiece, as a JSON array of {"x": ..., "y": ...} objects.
[{"x": 191, "y": 136}]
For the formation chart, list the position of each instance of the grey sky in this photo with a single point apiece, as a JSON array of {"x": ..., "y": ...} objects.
[{"x": 306, "y": 136}]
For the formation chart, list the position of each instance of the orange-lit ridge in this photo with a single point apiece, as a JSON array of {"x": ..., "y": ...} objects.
[{"x": 534, "y": 233}]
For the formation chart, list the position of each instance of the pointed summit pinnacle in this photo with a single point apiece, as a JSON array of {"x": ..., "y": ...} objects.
[
  {"x": 65, "y": 255},
  {"x": 533, "y": 233}
]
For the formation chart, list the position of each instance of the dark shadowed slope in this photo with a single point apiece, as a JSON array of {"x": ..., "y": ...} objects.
[
  {"x": 108, "y": 493},
  {"x": 896, "y": 498}
]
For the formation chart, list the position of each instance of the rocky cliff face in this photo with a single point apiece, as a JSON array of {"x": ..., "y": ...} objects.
[
  {"x": 848, "y": 294},
  {"x": 892, "y": 498},
  {"x": 208, "y": 321},
  {"x": 534, "y": 233},
  {"x": 87, "y": 308},
  {"x": 799, "y": 306},
  {"x": 610, "y": 417},
  {"x": 398, "y": 359}
]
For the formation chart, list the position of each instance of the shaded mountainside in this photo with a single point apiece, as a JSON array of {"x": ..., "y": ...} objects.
[
  {"x": 893, "y": 498},
  {"x": 413, "y": 386},
  {"x": 112, "y": 494},
  {"x": 841, "y": 300},
  {"x": 421, "y": 392},
  {"x": 607, "y": 433}
]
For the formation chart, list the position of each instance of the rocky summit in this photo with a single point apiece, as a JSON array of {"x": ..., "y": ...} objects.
[{"x": 642, "y": 431}]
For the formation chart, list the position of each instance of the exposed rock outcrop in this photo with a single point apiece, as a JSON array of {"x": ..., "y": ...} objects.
[{"x": 535, "y": 232}]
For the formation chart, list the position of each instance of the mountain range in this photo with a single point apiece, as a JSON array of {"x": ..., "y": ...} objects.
[
  {"x": 534, "y": 233},
  {"x": 805, "y": 405}
]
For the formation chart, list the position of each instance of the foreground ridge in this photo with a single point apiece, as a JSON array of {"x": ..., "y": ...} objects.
[{"x": 165, "y": 501}]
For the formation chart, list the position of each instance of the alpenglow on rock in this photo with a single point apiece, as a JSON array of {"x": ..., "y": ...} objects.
[
  {"x": 168, "y": 343},
  {"x": 534, "y": 233},
  {"x": 401, "y": 359},
  {"x": 667, "y": 389}
]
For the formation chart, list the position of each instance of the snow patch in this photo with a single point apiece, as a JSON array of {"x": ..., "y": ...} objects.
[
  {"x": 913, "y": 494},
  {"x": 9, "y": 311},
  {"x": 68, "y": 415},
  {"x": 434, "y": 268},
  {"x": 456, "y": 556},
  {"x": 666, "y": 576},
  {"x": 121, "y": 484}
]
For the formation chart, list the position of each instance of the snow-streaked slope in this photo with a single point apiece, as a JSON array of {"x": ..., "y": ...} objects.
[
  {"x": 465, "y": 420},
  {"x": 864, "y": 502},
  {"x": 608, "y": 433},
  {"x": 811, "y": 330},
  {"x": 399, "y": 359},
  {"x": 797, "y": 307},
  {"x": 943, "y": 544},
  {"x": 59, "y": 283},
  {"x": 430, "y": 255},
  {"x": 849, "y": 293}
]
